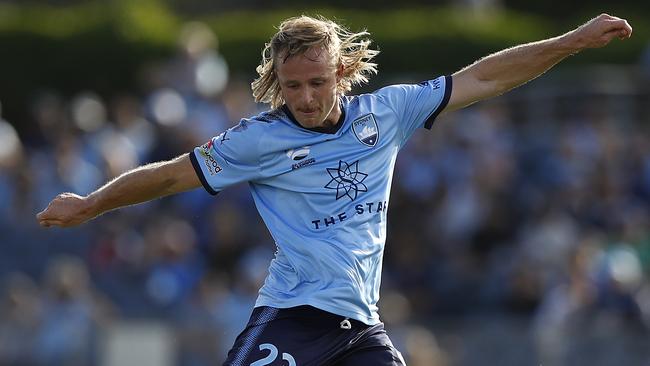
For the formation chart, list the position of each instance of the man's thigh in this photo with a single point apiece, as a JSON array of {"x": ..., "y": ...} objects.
[{"x": 374, "y": 349}]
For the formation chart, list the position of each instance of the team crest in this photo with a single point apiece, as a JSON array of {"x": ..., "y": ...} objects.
[{"x": 366, "y": 130}]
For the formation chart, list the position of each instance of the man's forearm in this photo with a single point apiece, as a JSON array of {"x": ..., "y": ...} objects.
[
  {"x": 514, "y": 66},
  {"x": 497, "y": 73},
  {"x": 145, "y": 183},
  {"x": 139, "y": 185}
]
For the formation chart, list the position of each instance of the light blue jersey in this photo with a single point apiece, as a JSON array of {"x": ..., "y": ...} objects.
[{"x": 324, "y": 195}]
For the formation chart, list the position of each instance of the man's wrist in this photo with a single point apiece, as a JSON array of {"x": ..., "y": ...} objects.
[
  {"x": 572, "y": 42},
  {"x": 92, "y": 205}
]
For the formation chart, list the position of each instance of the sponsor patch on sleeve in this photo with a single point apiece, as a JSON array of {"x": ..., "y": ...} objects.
[{"x": 208, "y": 159}]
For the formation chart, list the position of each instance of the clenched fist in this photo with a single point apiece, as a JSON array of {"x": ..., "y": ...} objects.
[
  {"x": 601, "y": 30},
  {"x": 66, "y": 209}
]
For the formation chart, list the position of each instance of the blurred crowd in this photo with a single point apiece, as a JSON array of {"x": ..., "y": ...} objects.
[{"x": 518, "y": 230}]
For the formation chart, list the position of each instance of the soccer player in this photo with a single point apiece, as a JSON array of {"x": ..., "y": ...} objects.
[{"x": 319, "y": 165}]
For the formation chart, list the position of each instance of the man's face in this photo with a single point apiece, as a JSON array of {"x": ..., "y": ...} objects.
[{"x": 308, "y": 85}]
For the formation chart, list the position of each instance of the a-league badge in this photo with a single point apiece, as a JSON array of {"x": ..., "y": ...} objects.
[{"x": 366, "y": 130}]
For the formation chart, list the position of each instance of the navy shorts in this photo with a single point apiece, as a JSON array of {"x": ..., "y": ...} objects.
[{"x": 306, "y": 336}]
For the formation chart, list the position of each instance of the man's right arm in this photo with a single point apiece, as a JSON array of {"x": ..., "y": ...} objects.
[{"x": 141, "y": 184}]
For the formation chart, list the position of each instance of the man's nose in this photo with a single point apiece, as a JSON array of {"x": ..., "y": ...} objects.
[{"x": 307, "y": 96}]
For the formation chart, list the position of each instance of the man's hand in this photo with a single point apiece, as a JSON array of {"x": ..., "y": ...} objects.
[
  {"x": 66, "y": 209},
  {"x": 599, "y": 31}
]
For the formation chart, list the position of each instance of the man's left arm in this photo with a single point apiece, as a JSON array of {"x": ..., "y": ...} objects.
[{"x": 497, "y": 73}]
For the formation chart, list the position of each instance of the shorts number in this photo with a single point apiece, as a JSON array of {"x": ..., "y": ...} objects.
[{"x": 273, "y": 354}]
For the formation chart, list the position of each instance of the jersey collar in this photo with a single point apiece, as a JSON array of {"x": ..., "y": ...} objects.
[{"x": 328, "y": 130}]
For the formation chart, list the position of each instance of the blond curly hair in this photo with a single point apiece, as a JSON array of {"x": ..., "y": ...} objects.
[{"x": 297, "y": 35}]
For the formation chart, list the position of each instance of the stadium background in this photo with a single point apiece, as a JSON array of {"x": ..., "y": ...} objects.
[{"x": 518, "y": 229}]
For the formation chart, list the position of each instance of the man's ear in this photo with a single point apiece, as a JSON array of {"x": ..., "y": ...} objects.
[{"x": 340, "y": 70}]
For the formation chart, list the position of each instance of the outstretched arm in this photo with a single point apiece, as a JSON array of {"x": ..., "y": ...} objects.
[
  {"x": 507, "y": 69},
  {"x": 135, "y": 186}
]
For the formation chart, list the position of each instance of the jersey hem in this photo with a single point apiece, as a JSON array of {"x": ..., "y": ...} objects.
[{"x": 330, "y": 309}]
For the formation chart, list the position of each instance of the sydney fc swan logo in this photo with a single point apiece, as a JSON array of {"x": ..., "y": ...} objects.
[
  {"x": 347, "y": 180},
  {"x": 366, "y": 130}
]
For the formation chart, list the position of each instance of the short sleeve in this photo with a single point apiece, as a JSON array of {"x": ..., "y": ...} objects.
[
  {"x": 417, "y": 105},
  {"x": 229, "y": 158}
]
